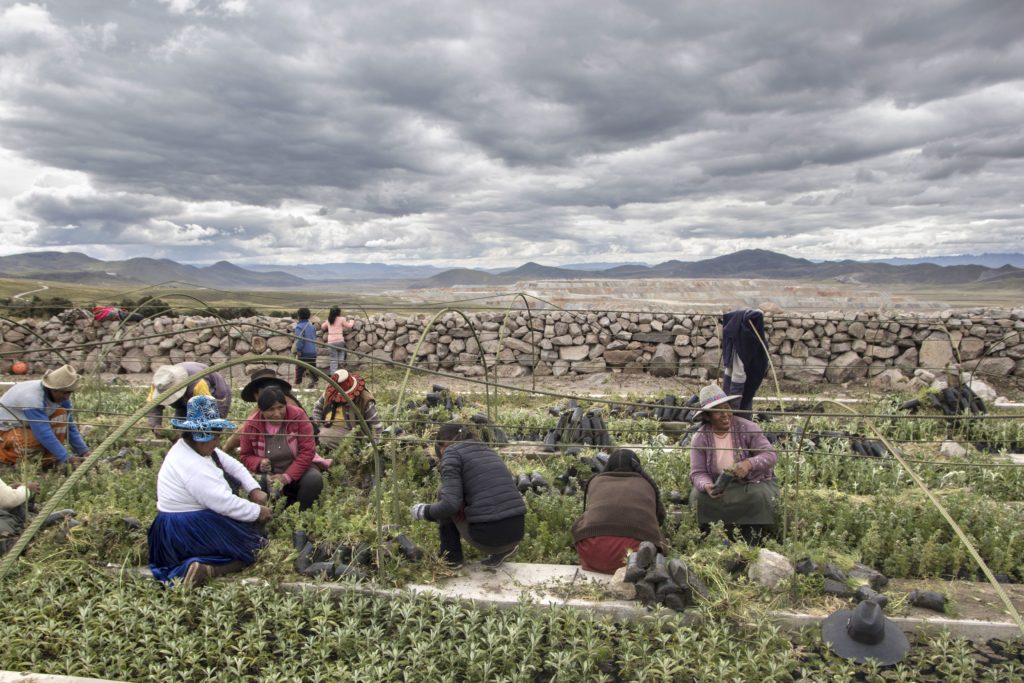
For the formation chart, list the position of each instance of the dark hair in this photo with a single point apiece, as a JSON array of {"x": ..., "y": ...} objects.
[
  {"x": 623, "y": 460},
  {"x": 450, "y": 432},
  {"x": 303, "y": 313},
  {"x": 269, "y": 397},
  {"x": 333, "y": 315},
  {"x": 705, "y": 417}
]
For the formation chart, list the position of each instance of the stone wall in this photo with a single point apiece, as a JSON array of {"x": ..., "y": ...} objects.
[{"x": 834, "y": 347}]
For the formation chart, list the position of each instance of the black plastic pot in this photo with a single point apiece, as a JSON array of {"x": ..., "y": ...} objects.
[
  {"x": 931, "y": 600},
  {"x": 299, "y": 539},
  {"x": 723, "y": 481},
  {"x": 410, "y": 550}
]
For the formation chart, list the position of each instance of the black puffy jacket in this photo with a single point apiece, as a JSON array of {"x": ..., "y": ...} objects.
[{"x": 474, "y": 478}]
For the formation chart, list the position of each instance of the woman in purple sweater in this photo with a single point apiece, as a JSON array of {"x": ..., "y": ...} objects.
[{"x": 727, "y": 443}]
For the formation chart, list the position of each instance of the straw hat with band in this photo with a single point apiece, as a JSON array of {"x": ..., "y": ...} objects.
[
  {"x": 202, "y": 417},
  {"x": 864, "y": 632},
  {"x": 262, "y": 378},
  {"x": 712, "y": 395},
  {"x": 64, "y": 378},
  {"x": 165, "y": 377}
]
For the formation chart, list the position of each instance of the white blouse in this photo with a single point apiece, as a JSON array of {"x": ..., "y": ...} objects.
[{"x": 189, "y": 482}]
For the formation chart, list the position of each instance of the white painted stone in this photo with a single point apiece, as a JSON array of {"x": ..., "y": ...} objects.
[{"x": 951, "y": 449}]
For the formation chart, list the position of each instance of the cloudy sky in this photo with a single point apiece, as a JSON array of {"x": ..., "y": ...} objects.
[{"x": 489, "y": 134}]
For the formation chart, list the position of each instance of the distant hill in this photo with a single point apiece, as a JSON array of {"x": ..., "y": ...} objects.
[
  {"x": 75, "y": 267},
  {"x": 749, "y": 263},
  {"x": 349, "y": 271},
  {"x": 990, "y": 260}
]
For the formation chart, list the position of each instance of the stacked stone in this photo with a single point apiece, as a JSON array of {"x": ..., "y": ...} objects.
[{"x": 894, "y": 351}]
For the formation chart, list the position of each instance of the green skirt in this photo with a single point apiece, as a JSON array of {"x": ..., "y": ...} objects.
[{"x": 741, "y": 503}]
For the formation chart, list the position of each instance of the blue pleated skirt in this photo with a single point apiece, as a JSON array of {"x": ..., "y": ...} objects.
[{"x": 177, "y": 539}]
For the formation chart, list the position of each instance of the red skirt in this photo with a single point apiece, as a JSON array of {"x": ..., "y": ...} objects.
[{"x": 605, "y": 554}]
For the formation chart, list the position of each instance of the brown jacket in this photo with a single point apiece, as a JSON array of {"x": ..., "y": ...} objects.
[{"x": 620, "y": 504}]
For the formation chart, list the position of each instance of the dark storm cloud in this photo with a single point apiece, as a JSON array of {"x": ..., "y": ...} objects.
[{"x": 537, "y": 130}]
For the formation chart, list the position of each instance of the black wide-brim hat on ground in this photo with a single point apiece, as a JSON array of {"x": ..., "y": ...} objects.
[
  {"x": 261, "y": 378},
  {"x": 864, "y": 632}
]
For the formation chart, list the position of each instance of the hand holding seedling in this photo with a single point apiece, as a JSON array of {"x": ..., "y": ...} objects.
[
  {"x": 259, "y": 496},
  {"x": 265, "y": 465},
  {"x": 742, "y": 469}
]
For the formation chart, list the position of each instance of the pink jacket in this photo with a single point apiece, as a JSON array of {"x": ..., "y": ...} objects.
[
  {"x": 750, "y": 443},
  {"x": 299, "y": 431}
]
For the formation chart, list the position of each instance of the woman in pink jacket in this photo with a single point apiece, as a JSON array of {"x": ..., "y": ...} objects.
[
  {"x": 334, "y": 327},
  {"x": 731, "y": 444},
  {"x": 278, "y": 442}
]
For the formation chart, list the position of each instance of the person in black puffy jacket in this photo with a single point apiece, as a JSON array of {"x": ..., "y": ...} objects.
[{"x": 478, "y": 500}]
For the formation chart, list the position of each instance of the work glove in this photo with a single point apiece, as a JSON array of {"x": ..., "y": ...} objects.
[{"x": 419, "y": 511}]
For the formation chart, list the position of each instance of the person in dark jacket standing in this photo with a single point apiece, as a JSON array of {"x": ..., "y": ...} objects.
[
  {"x": 743, "y": 355},
  {"x": 622, "y": 508},
  {"x": 478, "y": 500},
  {"x": 305, "y": 346}
]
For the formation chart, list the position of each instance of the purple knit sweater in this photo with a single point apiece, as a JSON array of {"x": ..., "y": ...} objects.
[{"x": 750, "y": 443}]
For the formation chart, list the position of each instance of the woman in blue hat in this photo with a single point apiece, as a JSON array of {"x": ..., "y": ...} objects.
[{"x": 202, "y": 529}]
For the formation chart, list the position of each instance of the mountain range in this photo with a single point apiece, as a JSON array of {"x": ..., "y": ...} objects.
[{"x": 751, "y": 263}]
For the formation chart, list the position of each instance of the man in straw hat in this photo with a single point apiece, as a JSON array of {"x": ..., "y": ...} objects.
[
  {"x": 35, "y": 419},
  {"x": 166, "y": 376},
  {"x": 337, "y": 416},
  {"x": 864, "y": 633}
]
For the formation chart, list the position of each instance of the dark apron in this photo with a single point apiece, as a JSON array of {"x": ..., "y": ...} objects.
[
  {"x": 278, "y": 453},
  {"x": 741, "y": 503}
]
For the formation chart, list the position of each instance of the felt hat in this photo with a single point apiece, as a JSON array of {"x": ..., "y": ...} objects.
[
  {"x": 712, "y": 395},
  {"x": 64, "y": 378},
  {"x": 202, "y": 417},
  {"x": 864, "y": 632},
  {"x": 165, "y": 377},
  {"x": 261, "y": 378}
]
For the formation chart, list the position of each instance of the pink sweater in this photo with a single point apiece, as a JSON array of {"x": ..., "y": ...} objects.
[{"x": 336, "y": 332}]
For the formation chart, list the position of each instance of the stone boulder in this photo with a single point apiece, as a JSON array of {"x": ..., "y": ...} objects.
[
  {"x": 951, "y": 449},
  {"x": 664, "y": 362},
  {"x": 278, "y": 343},
  {"x": 935, "y": 354},
  {"x": 770, "y": 568},
  {"x": 849, "y": 366},
  {"x": 573, "y": 353},
  {"x": 889, "y": 380},
  {"x": 808, "y": 369}
]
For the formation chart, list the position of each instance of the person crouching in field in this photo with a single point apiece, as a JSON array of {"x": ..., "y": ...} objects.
[
  {"x": 36, "y": 420},
  {"x": 166, "y": 376},
  {"x": 202, "y": 529},
  {"x": 13, "y": 503},
  {"x": 622, "y": 508},
  {"x": 728, "y": 443},
  {"x": 277, "y": 441},
  {"x": 478, "y": 500}
]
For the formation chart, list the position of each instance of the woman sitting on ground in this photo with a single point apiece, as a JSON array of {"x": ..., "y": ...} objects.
[
  {"x": 202, "y": 529},
  {"x": 478, "y": 500},
  {"x": 622, "y": 508},
  {"x": 258, "y": 381},
  {"x": 728, "y": 443},
  {"x": 277, "y": 441}
]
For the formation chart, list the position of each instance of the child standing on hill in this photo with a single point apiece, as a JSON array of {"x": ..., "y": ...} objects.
[
  {"x": 335, "y": 328},
  {"x": 305, "y": 346}
]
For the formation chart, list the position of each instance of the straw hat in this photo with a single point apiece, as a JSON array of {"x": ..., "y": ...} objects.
[
  {"x": 712, "y": 395},
  {"x": 201, "y": 418},
  {"x": 165, "y": 377},
  {"x": 64, "y": 378}
]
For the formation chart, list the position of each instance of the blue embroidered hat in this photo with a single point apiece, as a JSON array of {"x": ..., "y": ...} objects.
[{"x": 202, "y": 418}]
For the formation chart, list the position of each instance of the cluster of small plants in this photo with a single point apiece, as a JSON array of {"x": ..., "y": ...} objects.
[{"x": 69, "y": 619}]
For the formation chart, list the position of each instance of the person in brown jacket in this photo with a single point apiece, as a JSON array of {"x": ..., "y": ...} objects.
[{"x": 622, "y": 508}]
